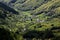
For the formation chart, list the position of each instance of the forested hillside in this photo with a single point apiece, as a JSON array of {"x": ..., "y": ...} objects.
[{"x": 29, "y": 19}]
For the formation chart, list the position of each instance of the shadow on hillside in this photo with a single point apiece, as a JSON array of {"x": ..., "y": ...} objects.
[
  {"x": 8, "y": 8},
  {"x": 38, "y": 35},
  {"x": 5, "y": 35}
]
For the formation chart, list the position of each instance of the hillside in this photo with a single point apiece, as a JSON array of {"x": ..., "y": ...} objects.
[{"x": 30, "y": 19}]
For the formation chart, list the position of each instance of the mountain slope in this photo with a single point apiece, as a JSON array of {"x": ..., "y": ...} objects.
[{"x": 36, "y": 19}]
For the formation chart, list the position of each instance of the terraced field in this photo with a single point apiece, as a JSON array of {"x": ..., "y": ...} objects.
[{"x": 30, "y": 19}]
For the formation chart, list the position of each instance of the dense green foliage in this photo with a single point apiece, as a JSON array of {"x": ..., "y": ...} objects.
[{"x": 31, "y": 19}]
